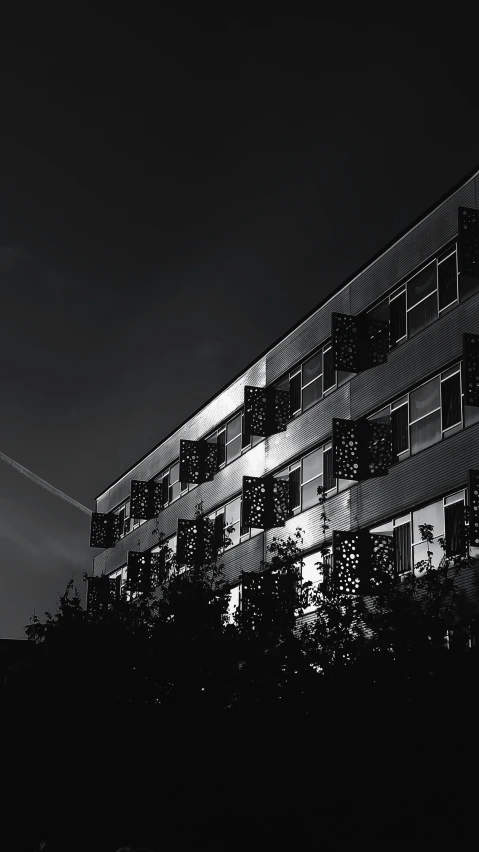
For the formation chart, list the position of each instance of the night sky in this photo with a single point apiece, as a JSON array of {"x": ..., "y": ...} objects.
[{"x": 175, "y": 193}]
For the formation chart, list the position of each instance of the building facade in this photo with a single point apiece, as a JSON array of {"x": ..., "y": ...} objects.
[{"x": 374, "y": 396}]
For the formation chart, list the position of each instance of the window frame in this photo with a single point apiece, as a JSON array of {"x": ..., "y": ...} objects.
[
  {"x": 446, "y": 500},
  {"x": 405, "y": 400},
  {"x": 133, "y": 523},
  {"x": 439, "y": 258}
]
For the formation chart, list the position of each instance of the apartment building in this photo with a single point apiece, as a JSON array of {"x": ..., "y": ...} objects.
[{"x": 374, "y": 396}]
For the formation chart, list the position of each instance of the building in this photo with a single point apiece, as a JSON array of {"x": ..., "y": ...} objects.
[{"x": 374, "y": 395}]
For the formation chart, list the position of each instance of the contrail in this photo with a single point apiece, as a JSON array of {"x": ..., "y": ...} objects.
[{"x": 43, "y": 484}]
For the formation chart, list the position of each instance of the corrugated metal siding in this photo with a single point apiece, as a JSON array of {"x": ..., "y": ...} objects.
[
  {"x": 415, "y": 247},
  {"x": 199, "y": 426},
  {"x": 338, "y": 510},
  {"x": 312, "y": 333},
  {"x": 417, "y": 358},
  {"x": 246, "y": 556},
  {"x": 438, "y": 470}
]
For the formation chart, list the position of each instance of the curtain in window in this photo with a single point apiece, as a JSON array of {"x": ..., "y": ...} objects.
[
  {"x": 451, "y": 401},
  {"x": 402, "y": 545}
]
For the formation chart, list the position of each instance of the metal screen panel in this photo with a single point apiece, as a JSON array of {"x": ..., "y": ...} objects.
[{"x": 468, "y": 241}]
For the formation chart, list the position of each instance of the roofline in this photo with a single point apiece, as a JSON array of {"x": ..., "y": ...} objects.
[{"x": 349, "y": 280}]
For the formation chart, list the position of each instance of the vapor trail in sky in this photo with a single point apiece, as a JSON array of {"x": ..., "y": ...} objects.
[{"x": 43, "y": 484}]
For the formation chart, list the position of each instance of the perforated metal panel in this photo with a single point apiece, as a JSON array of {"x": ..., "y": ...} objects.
[
  {"x": 347, "y": 449},
  {"x": 104, "y": 530},
  {"x": 280, "y": 501},
  {"x": 346, "y": 570},
  {"x": 198, "y": 461},
  {"x": 255, "y": 502},
  {"x": 468, "y": 241},
  {"x": 380, "y": 556},
  {"x": 379, "y": 447},
  {"x": 377, "y": 341},
  {"x": 265, "y": 596},
  {"x": 255, "y": 411},
  {"x": 473, "y": 488},
  {"x": 346, "y": 342},
  {"x": 361, "y": 562},
  {"x": 470, "y": 366},
  {"x": 101, "y": 591},
  {"x": 196, "y": 541},
  {"x": 281, "y": 410},
  {"x": 138, "y": 572},
  {"x": 139, "y": 500}
]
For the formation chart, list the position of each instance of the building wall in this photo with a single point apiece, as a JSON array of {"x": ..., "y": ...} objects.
[{"x": 429, "y": 474}]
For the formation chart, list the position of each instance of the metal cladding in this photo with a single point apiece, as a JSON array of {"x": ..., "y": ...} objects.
[
  {"x": 362, "y": 453},
  {"x": 101, "y": 591}
]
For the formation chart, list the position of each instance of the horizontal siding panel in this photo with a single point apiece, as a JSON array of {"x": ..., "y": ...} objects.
[
  {"x": 310, "y": 428},
  {"x": 414, "y": 248},
  {"x": 246, "y": 556},
  {"x": 416, "y": 359},
  {"x": 338, "y": 511},
  {"x": 311, "y": 333},
  {"x": 218, "y": 410},
  {"x": 419, "y": 479}
]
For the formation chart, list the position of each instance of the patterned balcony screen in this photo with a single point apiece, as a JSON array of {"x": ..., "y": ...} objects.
[
  {"x": 468, "y": 241},
  {"x": 473, "y": 490},
  {"x": 266, "y": 411},
  {"x": 101, "y": 591},
  {"x": 138, "y": 572},
  {"x": 266, "y": 502},
  {"x": 358, "y": 342},
  {"x": 470, "y": 368},
  {"x": 104, "y": 530},
  {"x": 198, "y": 461},
  {"x": 361, "y": 449}
]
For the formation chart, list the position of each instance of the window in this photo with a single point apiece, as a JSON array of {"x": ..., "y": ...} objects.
[
  {"x": 421, "y": 299},
  {"x": 120, "y": 576},
  {"x": 235, "y": 531},
  {"x": 314, "y": 378},
  {"x": 234, "y": 603},
  {"x": 170, "y": 544},
  {"x": 172, "y": 488},
  {"x": 426, "y": 415},
  {"x": 127, "y": 523},
  {"x": 312, "y": 572},
  {"x": 231, "y": 440},
  {"x": 307, "y": 475},
  {"x": 410, "y": 549}
]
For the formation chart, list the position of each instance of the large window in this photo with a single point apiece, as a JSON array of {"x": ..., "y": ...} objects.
[
  {"x": 127, "y": 523},
  {"x": 409, "y": 546},
  {"x": 310, "y": 473},
  {"x": 231, "y": 440},
  {"x": 420, "y": 300},
  {"x": 312, "y": 379},
  {"x": 427, "y": 414},
  {"x": 234, "y": 529},
  {"x": 172, "y": 488}
]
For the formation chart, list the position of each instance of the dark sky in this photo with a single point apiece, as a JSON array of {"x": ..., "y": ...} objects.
[{"x": 175, "y": 192}]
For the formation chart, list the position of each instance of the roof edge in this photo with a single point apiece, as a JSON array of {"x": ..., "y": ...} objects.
[{"x": 470, "y": 176}]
